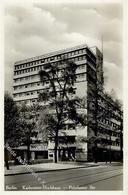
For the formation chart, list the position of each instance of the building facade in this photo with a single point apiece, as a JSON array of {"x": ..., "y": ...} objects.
[{"x": 27, "y": 87}]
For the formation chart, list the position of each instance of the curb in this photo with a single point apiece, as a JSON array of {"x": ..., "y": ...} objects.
[{"x": 11, "y": 174}]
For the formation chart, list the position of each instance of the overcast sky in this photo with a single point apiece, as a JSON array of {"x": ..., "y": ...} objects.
[{"x": 33, "y": 28}]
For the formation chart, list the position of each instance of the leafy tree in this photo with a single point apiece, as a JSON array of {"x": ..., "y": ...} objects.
[
  {"x": 119, "y": 107},
  {"x": 59, "y": 97},
  {"x": 12, "y": 133},
  {"x": 28, "y": 126}
]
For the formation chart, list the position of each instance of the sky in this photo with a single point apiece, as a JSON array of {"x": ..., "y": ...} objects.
[{"x": 34, "y": 28}]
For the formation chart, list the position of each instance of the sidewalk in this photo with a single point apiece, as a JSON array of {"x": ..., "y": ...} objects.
[{"x": 45, "y": 167}]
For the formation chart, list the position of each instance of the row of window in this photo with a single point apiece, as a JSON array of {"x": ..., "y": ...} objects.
[
  {"x": 37, "y": 68},
  {"x": 28, "y": 70},
  {"x": 115, "y": 143},
  {"x": 26, "y": 94},
  {"x": 78, "y": 76},
  {"x": 110, "y": 113},
  {"x": 49, "y": 59},
  {"x": 37, "y": 76},
  {"x": 35, "y": 92},
  {"x": 28, "y": 85},
  {"x": 110, "y": 142},
  {"x": 109, "y": 122},
  {"x": 32, "y": 77},
  {"x": 108, "y": 133},
  {"x": 109, "y": 104}
]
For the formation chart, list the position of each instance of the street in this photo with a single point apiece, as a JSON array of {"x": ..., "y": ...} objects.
[{"x": 104, "y": 177}]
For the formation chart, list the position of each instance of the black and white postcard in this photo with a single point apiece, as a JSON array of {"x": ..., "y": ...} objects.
[{"x": 63, "y": 96}]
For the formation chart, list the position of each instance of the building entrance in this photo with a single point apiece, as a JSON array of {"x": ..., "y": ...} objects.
[{"x": 67, "y": 154}]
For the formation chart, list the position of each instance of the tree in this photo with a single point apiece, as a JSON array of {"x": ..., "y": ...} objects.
[
  {"x": 119, "y": 107},
  {"x": 12, "y": 133},
  {"x": 11, "y": 121},
  {"x": 59, "y": 97},
  {"x": 45, "y": 125},
  {"x": 28, "y": 125}
]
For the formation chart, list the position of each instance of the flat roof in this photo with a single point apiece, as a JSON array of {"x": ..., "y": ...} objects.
[{"x": 53, "y": 54}]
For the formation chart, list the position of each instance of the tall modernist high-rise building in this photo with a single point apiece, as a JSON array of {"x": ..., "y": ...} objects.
[
  {"x": 27, "y": 87},
  {"x": 27, "y": 83}
]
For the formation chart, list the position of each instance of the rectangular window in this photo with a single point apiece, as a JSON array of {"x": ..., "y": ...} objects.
[
  {"x": 76, "y": 59},
  {"x": 71, "y": 53},
  {"x": 51, "y": 58},
  {"x": 81, "y": 51},
  {"x": 84, "y": 57},
  {"x": 82, "y": 75},
  {"x": 42, "y": 61},
  {"x": 81, "y": 57}
]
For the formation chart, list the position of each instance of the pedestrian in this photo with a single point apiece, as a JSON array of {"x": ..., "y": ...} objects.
[
  {"x": 66, "y": 155},
  {"x": 72, "y": 157}
]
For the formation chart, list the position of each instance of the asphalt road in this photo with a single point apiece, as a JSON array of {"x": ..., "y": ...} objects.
[{"x": 93, "y": 178}]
